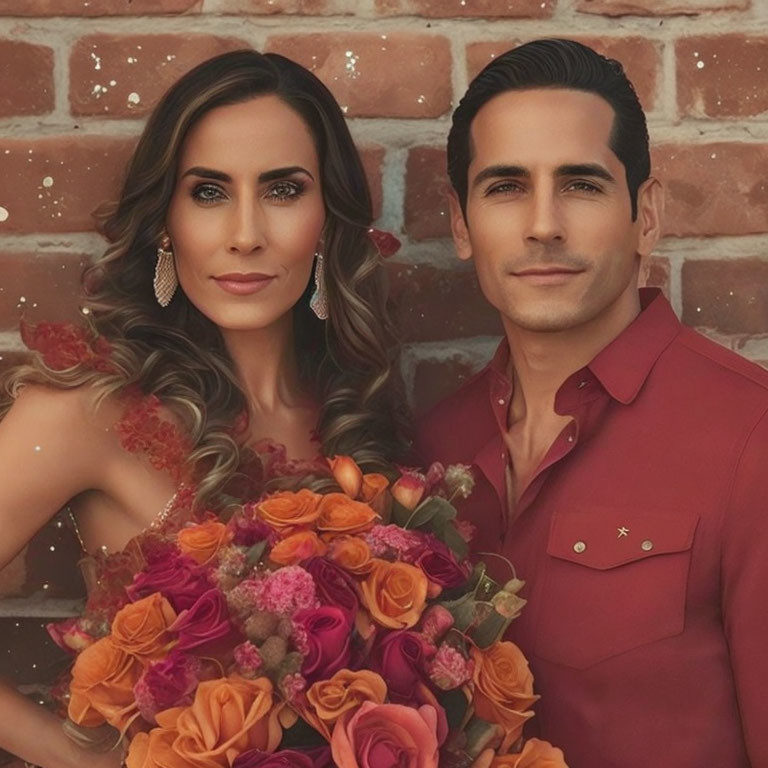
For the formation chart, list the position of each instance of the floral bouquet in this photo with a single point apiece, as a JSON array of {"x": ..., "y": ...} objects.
[{"x": 313, "y": 629}]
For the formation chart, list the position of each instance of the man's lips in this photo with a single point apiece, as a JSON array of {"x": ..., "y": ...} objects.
[
  {"x": 554, "y": 275},
  {"x": 547, "y": 271}
]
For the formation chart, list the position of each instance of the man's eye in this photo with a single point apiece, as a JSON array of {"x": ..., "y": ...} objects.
[
  {"x": 207, "y": 193},
  {"x": 584, "y": 186},
  {"x": 504, "y": 187},
  {"x": 285, "y": 190}
]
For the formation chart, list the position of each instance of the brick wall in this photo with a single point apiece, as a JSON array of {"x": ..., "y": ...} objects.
[{"x": 78, "y": 76}]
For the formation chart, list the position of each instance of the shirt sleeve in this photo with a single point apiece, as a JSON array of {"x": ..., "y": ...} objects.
[{"x": 745, "y": 586}]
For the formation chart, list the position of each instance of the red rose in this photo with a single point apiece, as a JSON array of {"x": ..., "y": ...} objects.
[
  {"x": 177, "y": 578},
  {"x": 440, "y": 566},
  {"x": 334, "y": 585},
  {"x": 327, "y": 632},
  {"x": 206, "y": 620},
  {"x": 320, "y": 757}
]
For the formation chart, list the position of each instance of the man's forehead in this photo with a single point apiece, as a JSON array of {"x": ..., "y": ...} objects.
[{"x": 558, "y": 124}]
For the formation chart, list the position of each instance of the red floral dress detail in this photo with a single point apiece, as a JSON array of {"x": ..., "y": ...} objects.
[{"x": 64, "y": 345}]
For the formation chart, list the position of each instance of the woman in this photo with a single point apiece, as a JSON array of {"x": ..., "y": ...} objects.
[{"x": 240, "y": 300}]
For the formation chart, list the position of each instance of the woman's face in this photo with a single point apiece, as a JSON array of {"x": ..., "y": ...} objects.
[{"x": 246, "y": 213}]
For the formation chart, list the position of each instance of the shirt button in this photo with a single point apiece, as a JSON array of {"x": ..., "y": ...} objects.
[
  {"x": 647, "y": 545},
  {"x": 501, "y": 401},
  {"x": 570, "y": 438},
  {"x": 579, "y": 547},
  {"x": 583, "y": 384}
]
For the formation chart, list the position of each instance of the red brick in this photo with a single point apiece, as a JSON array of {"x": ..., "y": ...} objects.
[
  {"x": 85, "y": 171},
  {"x": 640, "y": 57},
  {"x": 714, "y": 189},
  {"x": 426, "y": 194},
  {"x": 430, "y": 304},
  {"x": 730, "y": 296},
  {"x": 26, "y": 87},
  {"x": 49, "y": 283},
  {"x": 126, "y": 76},
  {"x": 436, "y": 379},
  {"x": 372, "y": 158},
  {"x": 657, "y": 274},
  {"x": 722, "y": 76},
  {"x": 274, "y": 7},
  {"x": 387, "y": 75},
  {"x": 488, "y": 9},
  {"x": 658, "y": 7},
  {"x": 97, "y": 7}
]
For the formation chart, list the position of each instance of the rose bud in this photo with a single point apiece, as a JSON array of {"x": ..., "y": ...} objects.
[
  {"x": 409, "y": 489},
  {"x": 435, "y": 623},
  {"x": 347, "y": 474}
]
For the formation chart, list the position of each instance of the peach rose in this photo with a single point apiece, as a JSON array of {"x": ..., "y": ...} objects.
[
  {"x": 382, "y": 735},
  {"x": 288, "y": 509},
  {"x": 102, "y": 686},
  {"x": 503, "y": 688},
  {"x": 347, "y": 474},
  {"x": 201, "y": 542},
  {"x": 409, "y": 488},
  {"x": 395, "y": 594},
  {"x": 353, "y": 554},
  {"x": 141, "y": 628},
  {"x": 535, "y": 754},
  {"x": 373, "y": 489},
  {"x": 228, "y": 716},
  {"x": 346, "y": 690},
  {"x": 340, "y": 514},
  {"x": 297, "y": 547}
]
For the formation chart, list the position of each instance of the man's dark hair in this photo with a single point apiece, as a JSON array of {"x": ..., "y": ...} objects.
[{"x": 555, "y": 64}]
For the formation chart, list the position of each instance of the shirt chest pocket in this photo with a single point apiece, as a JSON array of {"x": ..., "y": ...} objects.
[{"x": 615, "y": 580}]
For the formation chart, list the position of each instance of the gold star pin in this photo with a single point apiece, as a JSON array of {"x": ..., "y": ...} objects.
[{"x": 623, "y": 531}]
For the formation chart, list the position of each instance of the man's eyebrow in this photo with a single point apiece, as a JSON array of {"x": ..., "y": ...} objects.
[
  {"x": 595, "y": 170},
  {"x": 500, "y": 171},
  {"x": 276, "y": 173}
]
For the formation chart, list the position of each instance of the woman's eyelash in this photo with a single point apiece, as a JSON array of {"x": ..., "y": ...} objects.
[{"x": 285, "y": 190}]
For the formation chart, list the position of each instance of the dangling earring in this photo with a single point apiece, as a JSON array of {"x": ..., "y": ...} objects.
[
  {"x": 165, "y": 281},
  {"x": 319, "y": 301}
]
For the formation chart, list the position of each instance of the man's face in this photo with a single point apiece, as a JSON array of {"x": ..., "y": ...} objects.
[{"x": 548, "y": 215}]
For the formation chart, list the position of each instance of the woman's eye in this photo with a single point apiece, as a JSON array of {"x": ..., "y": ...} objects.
[
  {"x": 207, "y": 193},
  {"x": 285, "y": 190}
]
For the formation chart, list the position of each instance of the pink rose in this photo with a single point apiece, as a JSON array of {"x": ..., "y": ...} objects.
[
  {"x": 386, "y": 736},
  {"x": 320, "y": 757},
  {"x": 71, "y": 635},
  {"x": 167, "y": 683},
  {"x": 326, "y": 632},
  {"x": 206, "y": 620},
  {"x": 402, "y": 659},
  {"x": 177, "y": 578}
]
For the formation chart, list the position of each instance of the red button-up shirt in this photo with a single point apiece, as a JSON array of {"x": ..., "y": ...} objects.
[{"x": 643, "y": 539}]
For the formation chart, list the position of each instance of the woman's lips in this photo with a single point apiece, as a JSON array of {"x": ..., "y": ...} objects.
[{"x": 242, "y": 285}]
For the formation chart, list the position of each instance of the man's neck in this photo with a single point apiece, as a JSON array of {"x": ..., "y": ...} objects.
[{"x": 541, "y": 361}]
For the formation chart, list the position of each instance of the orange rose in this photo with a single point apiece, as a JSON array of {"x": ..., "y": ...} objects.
[
  {"x": 339, "y": 514},
  {"x": 201, "y": 542},
  {"x": 289, "y": 509},
  {"x": 330, "y": 699},
  {"x": 353, "y": 554},
  {"x": 228, "y": 716},
  {"x": 102, "y": 686},
  {"x": 395, "y": 594},
  {"x": 347, "y": 474},
  {"x": 373, "y": 489},
  {"x": 535, "y": 754},
  {"x": 297, "y": 547},
  {"x": 503, "y": 688},
  {"x": 141, "y": 628}
]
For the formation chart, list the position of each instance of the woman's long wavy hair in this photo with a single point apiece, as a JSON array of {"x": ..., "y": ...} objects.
[{"x": 177, "y": 354}]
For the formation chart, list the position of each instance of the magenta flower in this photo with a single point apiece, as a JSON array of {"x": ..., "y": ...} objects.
[
  {"x": 167, "y": 683},
  {"x": 206, "y": 620}
]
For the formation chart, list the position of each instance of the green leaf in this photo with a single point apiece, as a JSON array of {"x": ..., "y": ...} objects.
[
  {"x": 490, "y": 629},
  {"x": 448, "y": 534},
  {"x": 255, "y": 552},
  {"x": 455, "y": 704}
]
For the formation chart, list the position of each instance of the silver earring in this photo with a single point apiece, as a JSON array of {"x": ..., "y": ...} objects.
[
  {"x": 165, "y": 281},
  {"x": 319, "y": 301}
]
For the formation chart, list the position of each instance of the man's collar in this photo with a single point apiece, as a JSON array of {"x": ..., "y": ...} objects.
[{"x": 623, "y": 366}]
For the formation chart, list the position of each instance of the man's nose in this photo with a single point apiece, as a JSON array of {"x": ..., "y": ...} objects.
[{"x": 545, "y": 220}]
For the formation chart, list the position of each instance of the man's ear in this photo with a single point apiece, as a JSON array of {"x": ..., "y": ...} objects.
[
  {"x": 459, "y": 228},
  {"x": 650, "y": 215}
]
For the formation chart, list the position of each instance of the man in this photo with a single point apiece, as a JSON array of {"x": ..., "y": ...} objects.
[{"x": 621, "y": 459}]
